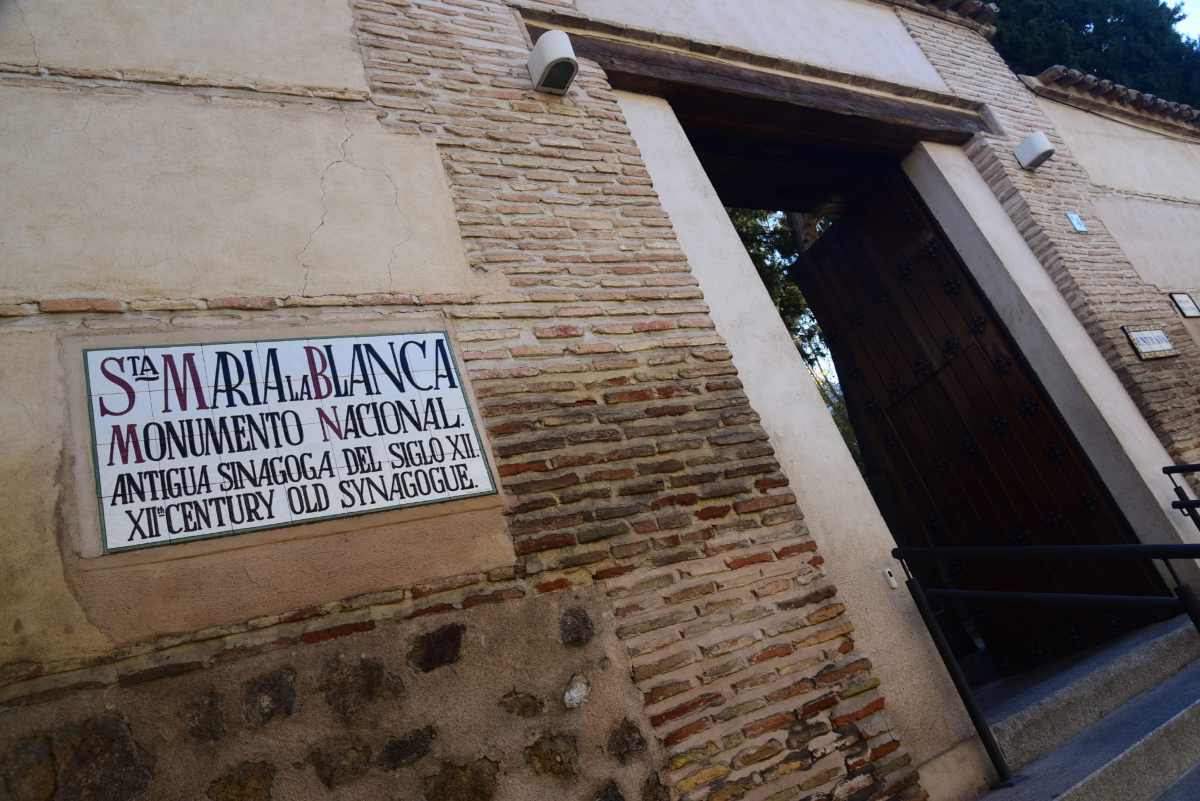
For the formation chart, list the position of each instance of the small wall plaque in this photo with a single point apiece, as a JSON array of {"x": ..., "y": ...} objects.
[
  {"x": 1077, "y": 222},
  {"x": 1186, "y": 304},
  {"x": 1150, "y": 343}
]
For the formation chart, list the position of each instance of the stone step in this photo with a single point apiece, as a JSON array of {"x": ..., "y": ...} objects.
[
  {"x": 1186, "y": 789},
  {"x": 1039, "y": 716},
  {"x": 1132, "y": 754}
]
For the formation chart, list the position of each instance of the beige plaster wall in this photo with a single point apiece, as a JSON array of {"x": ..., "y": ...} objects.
[
  {"x": 1147, "y": 190},
  {"x": 288, "y": 43},
  {"x": 853, "y": 36},
  {"x": 1125, "y": 156},
  {"x": 838, "y": 506},
  {"x": 38, "y": 612},
  {"x": 55, "y": 603},
  {"x": 169, "y": 194},
  {"x": 1160, "y": 238}
]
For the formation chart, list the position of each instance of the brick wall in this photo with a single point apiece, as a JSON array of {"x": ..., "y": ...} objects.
[
  {"x": 634, "y": 469},
  {"x": 1094, "y": 275},
  {"x": 629, "y": 450}
]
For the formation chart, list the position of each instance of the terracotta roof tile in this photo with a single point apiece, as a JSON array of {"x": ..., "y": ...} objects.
[
  {"x": 982, "y": 13},
  {"x": 977, "y": 10},
  {"x": 1074, "y": 83}
]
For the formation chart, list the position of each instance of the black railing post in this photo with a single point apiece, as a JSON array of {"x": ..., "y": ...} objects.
[
  {"x": 960, "y": 683},
  {"x": 1191, "y": 602},
  {"x": 1185, "y": 507}
]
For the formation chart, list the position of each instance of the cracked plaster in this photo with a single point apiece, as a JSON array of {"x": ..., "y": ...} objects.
[
  {"x": 167, "y": 194},
  {"x": 302, "y": 43}
]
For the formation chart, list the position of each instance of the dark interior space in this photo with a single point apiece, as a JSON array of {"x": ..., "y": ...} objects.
[
  {"x": 752, "y": 165},
  {"x": 958, "y": 441}
]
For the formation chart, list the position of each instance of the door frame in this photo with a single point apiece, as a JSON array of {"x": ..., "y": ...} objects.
[{"x": 929, "y": 131}]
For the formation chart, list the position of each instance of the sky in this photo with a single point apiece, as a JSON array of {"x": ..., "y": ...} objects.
[{"x": 1191, "y": 25}]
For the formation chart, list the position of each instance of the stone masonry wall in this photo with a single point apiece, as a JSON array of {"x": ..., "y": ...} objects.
[
  {"x": 637, "y": 480},
  {"x": 510, "y": 701},
  {"x": 1095, "y": 277}
]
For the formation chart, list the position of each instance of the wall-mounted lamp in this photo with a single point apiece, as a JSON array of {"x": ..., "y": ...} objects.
[
  {"x": 552, "y": 64},
  {"x": 1034, "y": 150}
]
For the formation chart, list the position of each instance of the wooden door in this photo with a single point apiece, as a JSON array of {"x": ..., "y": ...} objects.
[{"x": 961, "y": 445}]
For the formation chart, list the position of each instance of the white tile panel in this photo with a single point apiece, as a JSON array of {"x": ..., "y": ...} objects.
[{"x": 270, "y": 463}]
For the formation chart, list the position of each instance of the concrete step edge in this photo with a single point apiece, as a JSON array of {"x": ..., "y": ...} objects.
[
  {"x": 1185, "y": 788},
  {"x": 1048, "y": 724},
  {"x": 1149, "y": 766},
  {"x": 1130, "y": 754}
]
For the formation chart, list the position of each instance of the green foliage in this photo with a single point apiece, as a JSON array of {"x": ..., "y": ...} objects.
[
  {"x": 1132, "y": 42},
  {"x": 769, "y": 243}
]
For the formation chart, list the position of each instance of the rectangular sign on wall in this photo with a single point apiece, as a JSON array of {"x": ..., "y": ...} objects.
[
  {"x": 197, "y": 441},
  {"x": 1149, "y": 343},
  {"x": 1186, "y": 304}
]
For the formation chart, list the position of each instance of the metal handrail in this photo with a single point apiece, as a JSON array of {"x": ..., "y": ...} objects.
[
  {"x": 1185, "y": 598},
  {"x": 1136, "y": 551},
  {"x": 1066, "y": 598},
  {"x": 1189, "y": 507}
]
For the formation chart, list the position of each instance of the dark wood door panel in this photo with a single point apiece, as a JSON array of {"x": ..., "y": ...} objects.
[{"x": 960, "y": 442}]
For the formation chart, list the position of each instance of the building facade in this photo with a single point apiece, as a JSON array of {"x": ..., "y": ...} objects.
[{"x": 658, "y": 572}]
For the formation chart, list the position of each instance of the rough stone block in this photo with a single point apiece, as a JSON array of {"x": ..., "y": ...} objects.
[
  {"x": 249, "y": 781},
  {"x": 610, "y": 792},
  {"x": 340, "y": 762},
  {"x": 204, "y": 718},
  {"x": 654, "y": 790},
  {"x": 522, "y": 705},
  {"x": 270, "y": 696},
  {"x": 350, "y": 687},
  {"x": 27, "y": 772},
  {"x": 475, "y": 781},
  {"x": 554, "y": 755},
  {"x": 104, "y": 762},
  {"x": 575, "y": 627},
  {"x": 625, "y": 740},
  {"x": 436, "y": 649},
  {"x": 407, "y": 748}
]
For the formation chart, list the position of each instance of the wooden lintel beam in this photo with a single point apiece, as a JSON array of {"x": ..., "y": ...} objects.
[{"x": 639, "y": 68}]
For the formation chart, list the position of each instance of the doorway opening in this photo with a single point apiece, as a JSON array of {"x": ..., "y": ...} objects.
[{"x": 956, "y": 438}]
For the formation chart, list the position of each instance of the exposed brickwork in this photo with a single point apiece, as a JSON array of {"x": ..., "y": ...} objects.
[
  {"x": 631, "y": 454},
  {"x": 1092, "y": 273}
]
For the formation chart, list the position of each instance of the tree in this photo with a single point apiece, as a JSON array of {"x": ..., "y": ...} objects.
[
  {"x": 768, "y": 241},
  {"x": 1132, "y": 42}
]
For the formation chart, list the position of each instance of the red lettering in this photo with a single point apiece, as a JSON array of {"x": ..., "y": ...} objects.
[
  {"x": 116, "y": 379},
  {"x": 122, "y": 441},
  {"x": 319, "y": 379},
  {"x": 191, "y": 379},
  {"x": 333, "y": 424}
]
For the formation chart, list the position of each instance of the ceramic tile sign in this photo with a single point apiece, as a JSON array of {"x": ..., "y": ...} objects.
[
  {"x": 196, "y": 441},
  {"x": 1186, "y": 304},
  {"x": 1149, "y": 343}
]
